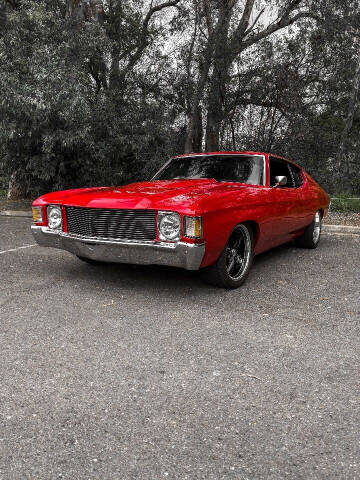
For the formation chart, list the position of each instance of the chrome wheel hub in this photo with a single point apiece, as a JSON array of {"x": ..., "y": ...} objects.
[{"x": 317, "y": 227}]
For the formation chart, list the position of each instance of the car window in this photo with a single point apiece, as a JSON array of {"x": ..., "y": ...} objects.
[
  {"x": 278, "y": 168},
  {"x": 296, "y": 175},
  {"x": 247, "y": 169}
]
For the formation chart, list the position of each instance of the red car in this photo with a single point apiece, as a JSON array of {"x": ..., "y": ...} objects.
[{"x": 208, "y": 211}]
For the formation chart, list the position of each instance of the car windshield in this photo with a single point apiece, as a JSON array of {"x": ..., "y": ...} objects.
[{"x": 222, "y": 168}]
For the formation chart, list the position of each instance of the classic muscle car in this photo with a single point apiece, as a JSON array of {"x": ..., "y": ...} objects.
[{"x": 209, "y": 211}]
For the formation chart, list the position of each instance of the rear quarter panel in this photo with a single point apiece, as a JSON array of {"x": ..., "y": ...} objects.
[{"x": 314, "y": 199}]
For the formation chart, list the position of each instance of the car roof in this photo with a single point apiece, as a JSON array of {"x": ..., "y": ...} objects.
[
  {"x": 184, "y": 155},
  {"x": 220, "y": 153}
]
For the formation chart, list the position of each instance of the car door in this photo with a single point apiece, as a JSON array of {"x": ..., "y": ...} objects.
[
  {"x": 285, "y": 201},
  {"x": 302, "y": 211}
]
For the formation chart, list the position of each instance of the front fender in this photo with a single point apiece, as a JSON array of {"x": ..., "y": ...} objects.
[{"x": 218, "y": 226}]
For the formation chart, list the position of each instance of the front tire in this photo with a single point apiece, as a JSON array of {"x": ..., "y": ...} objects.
[
  {"x": 232, "y": 267},
  {"x": 311, "y": 237}
]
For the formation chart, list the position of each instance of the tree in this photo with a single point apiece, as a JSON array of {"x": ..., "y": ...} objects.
[
  {"x": 227, "y": 39},
  {"x": 352, "y": 104},
  {"x": 66, "y": 120},
  {"x": 103, "y": 91}
]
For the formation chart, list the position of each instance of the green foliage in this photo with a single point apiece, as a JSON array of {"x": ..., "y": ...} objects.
[
  {"x": 60, "y": 123},
  {"x": 48, "y": 122},
  {"x": 345, "y": 203},
  {"x": 3, "y": 186}
]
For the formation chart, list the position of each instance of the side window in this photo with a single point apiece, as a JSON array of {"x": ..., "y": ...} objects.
[
  {"x": 296, "y": 176},
  {"x": 279, "y": 168},
  {"x": 292, "y": 180}
]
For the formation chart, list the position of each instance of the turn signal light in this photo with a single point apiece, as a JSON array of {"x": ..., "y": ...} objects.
[
  {"x": 37, "y": 214},
  {"x": 193, "y": 227}
]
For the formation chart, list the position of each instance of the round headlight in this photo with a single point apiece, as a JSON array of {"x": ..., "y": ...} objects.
[
  {"x": 169, "y": 225},
  {"x": 54, "y": 217}
]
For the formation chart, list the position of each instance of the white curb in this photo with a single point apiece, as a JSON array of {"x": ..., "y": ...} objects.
[
  {"x": 341, "y": 229},
  {"x": 14, "y": 213}
]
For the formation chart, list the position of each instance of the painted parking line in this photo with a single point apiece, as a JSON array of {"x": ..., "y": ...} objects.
[{"x": 18, "y": 248}]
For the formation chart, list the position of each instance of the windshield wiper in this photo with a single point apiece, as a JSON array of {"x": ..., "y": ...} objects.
[{"x": 228, "y": 180}]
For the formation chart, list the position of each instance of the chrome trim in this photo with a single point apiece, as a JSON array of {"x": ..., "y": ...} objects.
[
  {"x": 121, "y": 224},
  {"x": 177, "y": 254},
  {"x": 161, "y": 168},
  {"x": 48, "y": 209},
  {"x": 160, "y": 216},
  {"x": 317, "y": 227}
]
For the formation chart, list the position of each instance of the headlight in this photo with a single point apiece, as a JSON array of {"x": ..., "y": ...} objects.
[
  {"x": 169, "y": 226},
  {"x": 54, "y": 217},
  {"x": 193, "y": 227},
  {"x": 37, "y": 214}
]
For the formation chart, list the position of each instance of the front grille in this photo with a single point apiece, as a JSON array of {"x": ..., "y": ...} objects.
[{"x": 112, "y": 223}]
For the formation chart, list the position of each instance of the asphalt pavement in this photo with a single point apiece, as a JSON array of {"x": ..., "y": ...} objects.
[{"x": 129, "y": 372}]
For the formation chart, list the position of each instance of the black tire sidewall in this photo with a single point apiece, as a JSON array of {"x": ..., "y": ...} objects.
[
  {"x": 217, "y": 273},
  {"x": 307, "y": 238}
]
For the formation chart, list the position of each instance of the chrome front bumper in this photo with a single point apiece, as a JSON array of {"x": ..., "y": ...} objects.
[{"x": 181, "y": 254}]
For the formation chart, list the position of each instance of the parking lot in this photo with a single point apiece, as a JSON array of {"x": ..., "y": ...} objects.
[{"x": 124, "y": 372}]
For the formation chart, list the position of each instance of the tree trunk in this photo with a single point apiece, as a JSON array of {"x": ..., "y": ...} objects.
[
  {"x": 218, "y": 82},
  {"x": 215, "y": 50},
  {"x": 115, "y": 75},
  {"x": 18, "y": 188},
  {"x": 90, "y": 10},
  {"x": 350, "y": 115},
  {"x": 194, "y": 136},
  {"x": 193, "y": 142},
  {"x": 75, "y": 9},
  {"x": 214, "y": 116}
]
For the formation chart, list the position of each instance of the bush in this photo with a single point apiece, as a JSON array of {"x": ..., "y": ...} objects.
[
  {"x": 4, "y": 181},
  {"x": 345, "y": 203}
]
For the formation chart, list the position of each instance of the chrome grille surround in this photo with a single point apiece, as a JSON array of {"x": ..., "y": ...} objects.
[{"x": 110, "y": 223}]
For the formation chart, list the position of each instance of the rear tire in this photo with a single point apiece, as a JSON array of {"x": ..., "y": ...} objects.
[
  {"x": 311, "y": 237},
  {"x": 232, "y": 267}
]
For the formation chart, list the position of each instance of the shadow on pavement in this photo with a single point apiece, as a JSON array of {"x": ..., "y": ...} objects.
[{"x": 156, "y": 278}]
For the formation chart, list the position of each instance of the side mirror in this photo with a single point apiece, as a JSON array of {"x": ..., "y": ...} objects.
[{"x": 281, "y": 181}]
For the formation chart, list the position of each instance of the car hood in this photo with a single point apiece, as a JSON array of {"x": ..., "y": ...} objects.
[{"x": 180, "y": 195}]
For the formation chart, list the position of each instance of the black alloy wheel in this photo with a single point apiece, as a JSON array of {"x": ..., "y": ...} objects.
[{"x": 233, "y": 266}]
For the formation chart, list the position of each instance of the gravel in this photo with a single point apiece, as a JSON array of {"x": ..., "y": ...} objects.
[
  {"x": 15, "y": 204},
  {"x": 122, "y": 372},
  {"x": 337, "y": 218}
]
